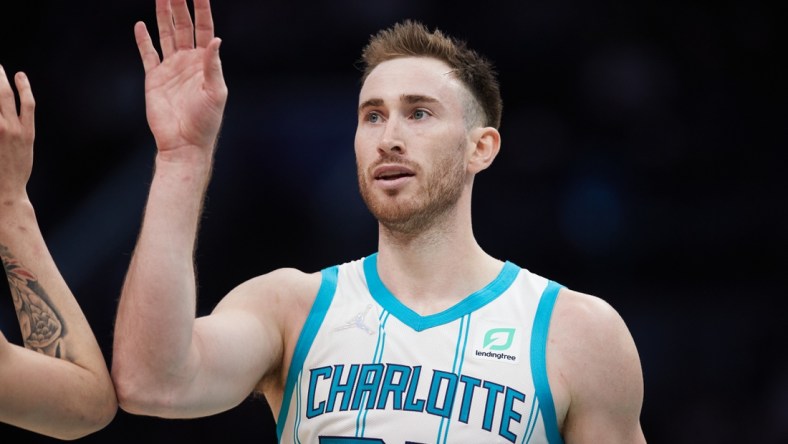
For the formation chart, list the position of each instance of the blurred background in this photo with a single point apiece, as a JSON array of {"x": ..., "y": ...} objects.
[{"x": 642, "y": 161}]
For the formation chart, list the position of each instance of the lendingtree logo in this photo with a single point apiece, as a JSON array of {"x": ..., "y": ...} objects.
[
  {"x": 498, "y": 344},
  {"x": 498, "y": 339}
]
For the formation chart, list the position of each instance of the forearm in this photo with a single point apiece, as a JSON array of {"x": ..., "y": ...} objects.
[
  {"x": 153, "y": 349},
  {"x": 75, "y": 388},
  {"x": 50, "y": 396}
]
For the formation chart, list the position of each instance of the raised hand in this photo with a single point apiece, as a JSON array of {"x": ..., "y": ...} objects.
[
  {"x": 17, "y": 132},
  {"x": 185, "y": 91},
  {"x": 73, "y": 395}
]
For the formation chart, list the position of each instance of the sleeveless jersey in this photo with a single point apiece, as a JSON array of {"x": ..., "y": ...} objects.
[{"x": 367, "y": 369}]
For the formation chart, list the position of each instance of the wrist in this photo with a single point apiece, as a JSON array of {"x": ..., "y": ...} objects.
[
  {"x": 192, "y": 161},
  {"x": 14, "y": 202},
  {"x": 182, "y": 176},
  {"x": 186, "y": 155},
  {"x": 15, "y": 213}
]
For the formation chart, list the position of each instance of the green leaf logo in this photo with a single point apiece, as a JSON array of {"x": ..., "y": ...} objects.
[{"x": 498, "y": 338}]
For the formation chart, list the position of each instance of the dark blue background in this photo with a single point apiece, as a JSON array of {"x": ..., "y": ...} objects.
[{"x": 643, "y": 146}]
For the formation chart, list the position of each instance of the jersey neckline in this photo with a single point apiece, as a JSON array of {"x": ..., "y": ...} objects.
[{"x": 472, "y": 302}]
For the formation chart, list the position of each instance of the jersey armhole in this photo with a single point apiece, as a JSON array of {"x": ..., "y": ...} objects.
[
  {"x": 541, "y": 327},
  {"x": 312, "y": 324}
]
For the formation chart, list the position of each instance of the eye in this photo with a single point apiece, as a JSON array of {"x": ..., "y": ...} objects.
[
  {"x": 373, "y": 117},
  {"x": 420, "y": 114}
]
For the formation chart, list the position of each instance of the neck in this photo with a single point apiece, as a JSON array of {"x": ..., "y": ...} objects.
[{"x": 436, "y": 267}]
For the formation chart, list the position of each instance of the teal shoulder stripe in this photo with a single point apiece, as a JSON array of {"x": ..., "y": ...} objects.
[
  {"x": 539, "y": 364},
  {"x": 312, "y": 324}
]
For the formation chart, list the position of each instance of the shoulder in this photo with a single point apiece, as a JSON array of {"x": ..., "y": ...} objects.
[
  {"x": 285, "y": 281},
  {"x": 579, "y": 314},
  {"x": 282, "y": 287},
  {"x": 589, "y": 329},
  {"x": 593, "y": 364}
]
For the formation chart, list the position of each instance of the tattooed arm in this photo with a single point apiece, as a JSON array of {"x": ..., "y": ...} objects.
[
  {"x": 42, "y": 327},
  {"x": 58, "y": 383}
]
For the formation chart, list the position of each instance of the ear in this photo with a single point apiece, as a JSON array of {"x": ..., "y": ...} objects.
[{"x": 486, "y": 144}]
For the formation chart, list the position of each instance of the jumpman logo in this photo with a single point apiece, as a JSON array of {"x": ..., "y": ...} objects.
[{"x": 357, "y": 321}]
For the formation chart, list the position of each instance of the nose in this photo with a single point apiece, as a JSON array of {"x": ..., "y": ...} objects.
[{"x": 391, "y": 141}]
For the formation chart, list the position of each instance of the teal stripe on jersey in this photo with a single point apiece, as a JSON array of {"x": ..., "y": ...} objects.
[
  {"x": 378, "y": 356},
  {"x": 465, "y": 341},
  {"x": 457, "y": 355},
  {"x": 298, "y": 410},
  {"x": 312, "y": 324},
  {"x": 529, "y": 426},
  {"x": 456, "y": 368},
  {"x": 479, "y": 299},
  {"x": 359, "y": 426},
  {"x": 538, "y": 361},
  {"x": 376, "y": 359},
  {"x": 530, "y": 433}
]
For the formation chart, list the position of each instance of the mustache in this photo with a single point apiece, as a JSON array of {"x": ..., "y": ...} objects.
[{"x": 393, "y": 159}]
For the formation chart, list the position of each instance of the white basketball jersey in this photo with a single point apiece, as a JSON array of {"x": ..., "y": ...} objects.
[{"x": 367, "y": 369}]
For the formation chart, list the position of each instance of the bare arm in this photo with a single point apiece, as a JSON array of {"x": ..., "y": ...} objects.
[
  {"x": 595, "y": 372},
  {"x": 166, "y": 362},
  {"x": 58, "y": 384}
]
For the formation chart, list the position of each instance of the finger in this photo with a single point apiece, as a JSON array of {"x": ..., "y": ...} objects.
[
  {"x": 27, "y": 103},
  {"x": 7, "y": 102},
  {"x": 166, "y": 27},
  {"x": 213, "y": 66},
  {"x": 184, "y": 31},
  {"x": 203, "y": 22},
  {"x": 150, "y": 58}
]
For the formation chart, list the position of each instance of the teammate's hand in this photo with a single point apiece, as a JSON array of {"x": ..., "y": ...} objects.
[{"x": 17, "y": 131}]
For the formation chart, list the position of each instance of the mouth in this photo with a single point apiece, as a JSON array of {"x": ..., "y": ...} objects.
[
  {"x": 392, "y": 172},
  {"x": 392, "y": 176}
]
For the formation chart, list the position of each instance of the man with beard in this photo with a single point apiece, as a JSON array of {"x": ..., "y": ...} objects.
[
  {"x": 429, "y": 339},
  {"x": 58, "y": 383}
]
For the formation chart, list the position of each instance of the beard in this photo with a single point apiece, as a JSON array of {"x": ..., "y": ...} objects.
[{"x": 421, "y": 210}]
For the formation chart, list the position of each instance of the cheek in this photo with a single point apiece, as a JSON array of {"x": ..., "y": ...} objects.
[
  {"x": 365, "y": 145},
  {"x": 362, "y": 158},
  {"x": 364, "y": 140},
  {"x": 452, "y": 149},
  {"x": 358, "y": 147},
  {"x": 358, "y": 150}
]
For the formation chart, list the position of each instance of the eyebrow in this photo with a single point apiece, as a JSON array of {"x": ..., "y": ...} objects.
[
  {"x": 416, "y": 98},
  {"x": 370, "y": 103},
  {"x": 410, "y": 99}
]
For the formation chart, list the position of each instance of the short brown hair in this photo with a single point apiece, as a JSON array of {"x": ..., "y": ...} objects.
[{"x": 413, "y": 39}]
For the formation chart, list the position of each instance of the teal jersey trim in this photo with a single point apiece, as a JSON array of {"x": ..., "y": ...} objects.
[
  {"x": 456, "y": 368},
  {"x": 539, "y": 362},
  {"x": 388, "y": 301},
  {"x": 312, "y": 324}
]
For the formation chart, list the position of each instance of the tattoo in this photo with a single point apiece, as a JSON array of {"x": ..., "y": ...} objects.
[{"x": 42, "y": 327}]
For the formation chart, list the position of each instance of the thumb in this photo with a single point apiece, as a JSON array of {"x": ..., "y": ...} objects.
[{"x": 213, "y": 66}]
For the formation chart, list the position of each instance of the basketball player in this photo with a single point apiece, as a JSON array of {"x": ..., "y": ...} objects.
[
  {"x": 58, "y": 383},
  {"x": 430, "y": 339}
]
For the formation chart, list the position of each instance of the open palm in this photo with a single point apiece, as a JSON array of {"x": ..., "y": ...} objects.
[{"x": 185, "y": 91}]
